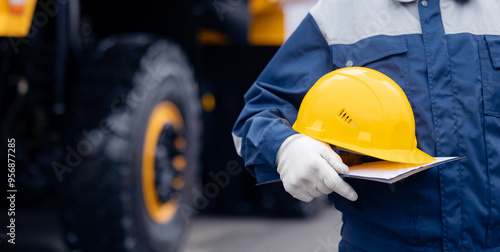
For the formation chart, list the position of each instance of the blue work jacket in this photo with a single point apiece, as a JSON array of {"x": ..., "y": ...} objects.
[{"x": 445, "y": 55}]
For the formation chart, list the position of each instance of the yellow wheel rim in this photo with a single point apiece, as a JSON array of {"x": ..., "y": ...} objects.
[{"x": 164, "y": 113}]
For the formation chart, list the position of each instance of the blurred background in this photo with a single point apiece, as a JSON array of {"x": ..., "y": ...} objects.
[{"x": 122, "y": 112}]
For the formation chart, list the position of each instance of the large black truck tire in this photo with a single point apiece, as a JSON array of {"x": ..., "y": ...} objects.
[{"x": 138, "y": 115}]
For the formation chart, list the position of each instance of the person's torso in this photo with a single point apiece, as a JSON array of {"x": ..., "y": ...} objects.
[{"x": 445, "y": 55}]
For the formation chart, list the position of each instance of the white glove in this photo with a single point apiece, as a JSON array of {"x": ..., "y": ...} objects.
[{"x": 310, "y": 168}]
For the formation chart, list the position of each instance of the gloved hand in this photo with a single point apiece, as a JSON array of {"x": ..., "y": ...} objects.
[{"x": 309, "y": 168}]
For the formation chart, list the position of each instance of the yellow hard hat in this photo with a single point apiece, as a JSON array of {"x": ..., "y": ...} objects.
[{"x": 364, "y": 111}]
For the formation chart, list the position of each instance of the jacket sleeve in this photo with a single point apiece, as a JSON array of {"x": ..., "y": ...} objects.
[{"x": 272, "y": 102}]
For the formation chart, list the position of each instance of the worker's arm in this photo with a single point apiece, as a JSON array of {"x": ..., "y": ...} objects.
[{"x": 271, "y": 104}]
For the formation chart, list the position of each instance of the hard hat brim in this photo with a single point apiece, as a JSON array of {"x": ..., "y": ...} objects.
[{"x": 414, "y": 156}]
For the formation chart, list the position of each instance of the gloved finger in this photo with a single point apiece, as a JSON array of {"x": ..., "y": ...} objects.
[
  {"x": 313, "y": 192},
  {"x": 303, "y": 196},
  {"x": 297, "y": 192},
  {"x": 320, "y": 186},
  {"x": 336, "y": 184},
  {"x": 346, "y": 191},
  {"x": 334, "y": 161}
]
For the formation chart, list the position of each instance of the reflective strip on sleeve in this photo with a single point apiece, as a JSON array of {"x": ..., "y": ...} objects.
[{"x": 237, "y": 143}]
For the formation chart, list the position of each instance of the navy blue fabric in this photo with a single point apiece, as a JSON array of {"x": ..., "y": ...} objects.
[
  {"x": 272, "y": 103},
  {"x": 453, "y": 85}
]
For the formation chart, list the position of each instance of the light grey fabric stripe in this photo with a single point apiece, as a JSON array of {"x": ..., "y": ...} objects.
[
  {"x": 476, "y": 17},
  {"x": 347, "y": 21},
  {"x": 237, "y": 143}
]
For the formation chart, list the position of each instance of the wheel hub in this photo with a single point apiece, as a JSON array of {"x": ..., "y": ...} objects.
[
  {"x": 163, "y": 162},
  {"x": 164, "y": 169}
]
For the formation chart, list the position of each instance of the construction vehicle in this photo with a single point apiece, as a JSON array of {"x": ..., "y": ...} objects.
[{"x": 107, "y": 102}]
